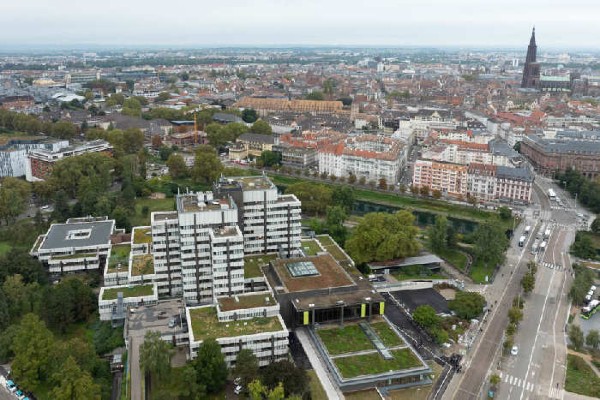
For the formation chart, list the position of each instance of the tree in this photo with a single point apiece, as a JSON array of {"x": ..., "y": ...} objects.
[
  {"x": 14, "y": 198},
  {"x": 132, "y": 107},
  {"x": 315, "y": 95},
  {"x": 177, "y": 167},
  {"x": 249, "y": 115},
  {"x": 295, "y": 380},
  {"x": 362, "y": 181},
  {"x": 64, "y": 130},
  {"x": 528, "y": 282},
  {"x": 261, "y": 127},
  {"x": 383, "y": 236},
  {"x": 210, "y": 366},
  {"x": 352, "y": 179},
  {"x": 121, "y": 216},
  {"x": 438, "y": 234},
  {"x": 424, "y": 190},
  {"x": 436, "y": 194},
  {"x": 164, "y": 152},
  {"x": 270, "y": 158},
  {"x": 315, "y": 197},
  {"x": 258, "y": 391},
  {"x": 336, "y": 216},
  {"x": 504, "y": 212},
  {"x": 593, "y": 339},
  {"x": 383, "y": 184},
  {"x": 246, "y": 367},
  {"x": 163, "y": 96},
  {"x": 207, "y": 166},
  {"x": 426, "y": 316},
  {"x": 595, "y": 227},
  {"x": 155, "y": 357},
  {"x": 467, "y": 305},
  {"x": 495, "y": 380},
  {"x": 490, "y": 243},
  {"x": 18, "y": 261},
  {"x": 576, "y": 337},
  {"x": 32, "y": 347},
  {"x": 583, "y": 247},
  {"x": 73, "y": 383},
  {"x": 515, "y": 315}
]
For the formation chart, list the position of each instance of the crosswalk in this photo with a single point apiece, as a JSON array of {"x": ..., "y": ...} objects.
[
  {"x": 557, "y": 267},
  {"x": 552, "y": 393}
]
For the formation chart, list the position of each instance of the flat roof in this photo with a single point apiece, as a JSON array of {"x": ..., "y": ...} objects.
[
  {"x": 358, "y": 296},
  {"x": 128, "y": 291},
  {"x": 246, "y": 301},
  {"x": 253, "y": 263},
  {"x": 142, "y": 234},
  {"x": 254, "y": 182},
  {"x": 190, "y": 203},
  {"x": 205, "y": 324},
  {"x": 142, "y": 264},
  {"x": 330, "y": 274},
  {"x": 81, "y": 234}
]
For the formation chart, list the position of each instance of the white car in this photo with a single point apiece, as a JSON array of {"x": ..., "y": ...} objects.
[
  {"x": 515, "y": 350},
  {"x": 238, "y": 389}
]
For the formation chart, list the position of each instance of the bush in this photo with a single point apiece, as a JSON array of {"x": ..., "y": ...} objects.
[{"x": 467, "y": 305}]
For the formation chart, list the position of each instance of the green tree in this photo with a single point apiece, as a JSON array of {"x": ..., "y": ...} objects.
[
  {"x": 270, "y": 158},
  {"x": 528, "y": 282},
  {"x": 383, "y": 236},
  {"x": 64, "y": 130},
  {"x": 583, "y": 247},
  {"x": 258, "y": 391},
  {"x": 121, "y": 216},
  {"x": 14, "y": 198},
  {"x": 593, "y": 339},
  {"x": 315, "y": 95},
  {"x": 314, "y": 196},
  {"x": 32, "y": 347},
  {"x": 576, "y": 337},
  {"x": 495, "y": 380},
  {"x": 581, "y": 283},
  {"x": 249, "y": 115},
  {"x": 207, "y": 166},
  {"x": 163, "y": 96},
  {"x": 515, "y": 315},
  {"x": 295, "y": 380},
  {"x": 261, "y": 127},
  {"x": 343, "y": 196},
  {"x": 438, "y": 234},
  {"x": 132, "y": 107},
  {"x": 467, "y": 305},
  {"x": 336, "y": 216},
  {"x": 595, "y": 227},
  {"x": 505, "y": 212},
  {"x": 246, "y": 367},
  {"x": 155, "y": 358},
  {"x": 424, "y": 190},
  {"x": 426, "y": 316},
  {"x": 177, "y": 167},
  {"x": 210, "y": 366},
  {"x": 490, "y": 243},
  {"x": 71, "y": 383}
]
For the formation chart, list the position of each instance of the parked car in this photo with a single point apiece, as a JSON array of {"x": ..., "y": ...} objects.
[
  {"x": 515, "y": 350},
  {"x": 238, "y": 389}
]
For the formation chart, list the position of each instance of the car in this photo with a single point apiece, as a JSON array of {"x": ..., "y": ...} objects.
[
  {"x": 10, "y": 385},
  {"x": 515, "y": 350},
  {"x": 172, "y": 323},
  {"x": 237, "y": 381},
  {"x": 44, "y": 207},
  {"x": 238, "y": 389}
]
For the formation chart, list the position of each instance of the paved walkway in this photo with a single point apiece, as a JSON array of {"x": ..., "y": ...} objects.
[
  {"x": 136, "y": 374},
  {"x": 333, "y": 393}
]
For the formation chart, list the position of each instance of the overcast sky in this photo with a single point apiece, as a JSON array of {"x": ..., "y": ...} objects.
[{"x": 559, "y": 23}]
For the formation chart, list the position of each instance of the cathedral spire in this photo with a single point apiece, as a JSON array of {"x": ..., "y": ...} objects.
[
  {"x": 532, "y": 40},
  {"x": 531, "y": 70}
]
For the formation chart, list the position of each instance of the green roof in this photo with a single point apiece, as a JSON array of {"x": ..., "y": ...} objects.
[
  {"x": 72, "y": 256},
  {"x": 133, "y": 291},
  {"x": 205, "y": 324},
  {"x": 374, "y": 363},
  {"x": 142, "y": 265},
  {"x": 310, "y": 247},
  {"x": 248, "y": 301},
  {"x": 142, "y": 235},
  {"x": 119, "y": 254},
  {"x": 252, "y": 264}
]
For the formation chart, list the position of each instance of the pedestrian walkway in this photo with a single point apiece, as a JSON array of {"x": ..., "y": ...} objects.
[
  {"x": 557, "y": 267},
  {"x": 518, "y": 382},
  {"x": 321, "y": 370}
]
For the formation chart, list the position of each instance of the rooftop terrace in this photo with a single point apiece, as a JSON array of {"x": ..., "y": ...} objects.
[
  {"x": 254, "y": 182},
  {"x": 329, "y": 274},
  {"x": 142, "y": 235},
  {"x": 189, "y": 203},
  {"x": 119, "y": 255},
  {"x": 206, "y": 325}
]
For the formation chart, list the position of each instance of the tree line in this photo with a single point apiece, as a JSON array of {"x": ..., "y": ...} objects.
[
  {"x": 587, "y": 191},
  {"x": 17, "y": 122}
]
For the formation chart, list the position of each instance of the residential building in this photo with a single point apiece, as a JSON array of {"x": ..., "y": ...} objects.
[
  {"x": 373, "y": 157},
  {"x": 115, "y": 302},
  {"x": 514, "y": 184},
  {"x": 41, "y": 161},
  {"x": 265, "y": 106},
  {"x": 449, "y": 179},
  {"x": 550, "y": 156},
  {"x": 251, "y": 144},
  {"x": 77, "y": 245},
  {"x": 14, "y": 151}
]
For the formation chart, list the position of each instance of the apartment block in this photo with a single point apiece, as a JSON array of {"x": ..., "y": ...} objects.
[{"x": 449, "y": 179}]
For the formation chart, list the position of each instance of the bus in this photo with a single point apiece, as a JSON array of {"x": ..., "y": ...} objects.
[
  {"x": 551, "y": 194},
  {"x": 590, "y": 309}
]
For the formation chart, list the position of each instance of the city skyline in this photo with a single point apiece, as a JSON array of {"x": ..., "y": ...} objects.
[{"x": 277, "y": 23}]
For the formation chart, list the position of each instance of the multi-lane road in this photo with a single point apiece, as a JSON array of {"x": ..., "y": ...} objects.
[{"x": 538, "y": 370}]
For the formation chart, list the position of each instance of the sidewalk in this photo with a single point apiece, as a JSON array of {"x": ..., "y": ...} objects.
[{"x": 333, "y": 393}]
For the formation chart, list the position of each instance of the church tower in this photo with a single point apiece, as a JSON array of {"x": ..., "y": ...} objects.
[{"x": 531, "y": 70}]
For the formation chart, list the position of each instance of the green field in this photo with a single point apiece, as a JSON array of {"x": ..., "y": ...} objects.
[
  {"x": 479, "y": 271},
  {"x": 138, "y": 219},
  {"x": 581, "y": 379},
  {"x": 455, "y": 257},
  {"x": 348, "y": 339},
  {"x": 371, "y": 364}
]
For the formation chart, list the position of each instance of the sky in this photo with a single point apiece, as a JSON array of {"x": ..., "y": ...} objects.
[{"x": 196, "y": 23}]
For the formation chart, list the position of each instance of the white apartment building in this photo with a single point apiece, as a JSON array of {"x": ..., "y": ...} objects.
[
  {"x": 373, "y": 157},
  {"x": 449, "y": 179}
]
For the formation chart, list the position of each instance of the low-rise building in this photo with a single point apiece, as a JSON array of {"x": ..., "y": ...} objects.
[
  {"x": 251, "y": 144},
  {"x": 114, "y": 302}
]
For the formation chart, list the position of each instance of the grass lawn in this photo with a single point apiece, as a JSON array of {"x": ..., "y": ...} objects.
[
  {"x": 419, "y": 392},
  {"x": 372, "y": 364},
  {"x": 455, "y": 257},
  {"x": 252, "y": 264},
  {"x": 310, "y": 247},
  {"x": 134, "y": 291},
  {"x": 415, "y": 272},
  {"x": 479, "y": 271},
  {"x": 370, "y": 394},
  {"x": 316, "y": 389},
  {"x": 581, "y": 378},
  {"x": 138, "y": 219},
  {"x": 348, "y": 339},
  {"x": 4, "y": 248},
  {"x": 387, "y": 334}
]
